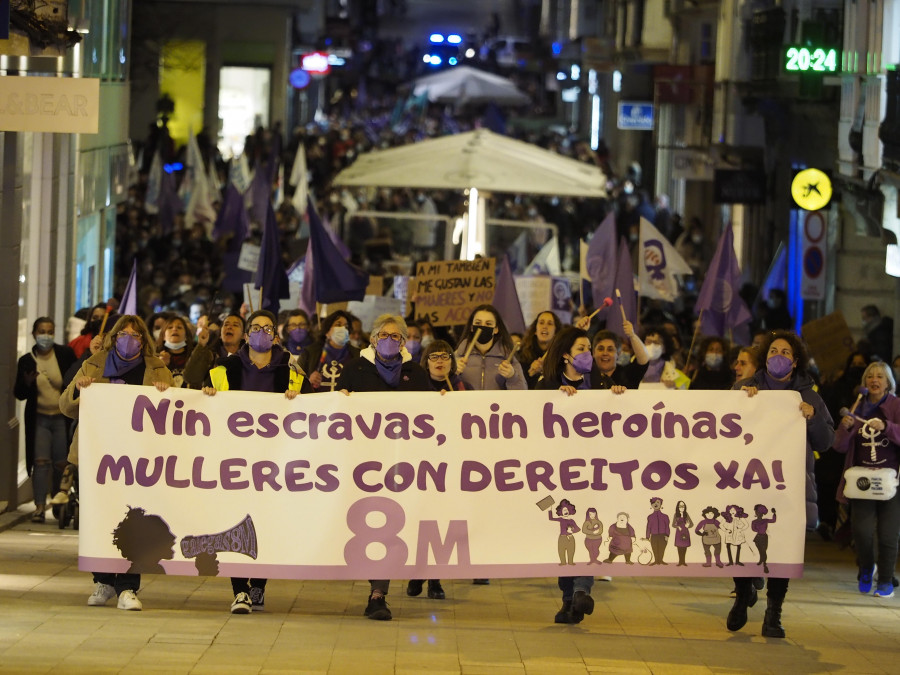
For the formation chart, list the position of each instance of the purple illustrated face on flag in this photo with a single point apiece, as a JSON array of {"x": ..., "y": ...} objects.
[{"x": 655, "y": 259}]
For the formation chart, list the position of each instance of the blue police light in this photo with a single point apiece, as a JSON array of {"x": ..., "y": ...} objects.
[
  {"x": 426, "y": 58},
  {"x": 560, "y": 75},
  {"x": 557, "y": 48},
  {"x": 435, "y": 60},
  {"x": 454, "y": 39},
  {"x": 299, "y": 78},
  {"x": 174, "y": 166},
  {"x": 452, "y": 61},
  {"x": 436, "y": 38}
]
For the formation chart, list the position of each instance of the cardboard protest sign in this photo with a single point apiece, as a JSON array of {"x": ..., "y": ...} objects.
[{"x": 445, "y": 292}]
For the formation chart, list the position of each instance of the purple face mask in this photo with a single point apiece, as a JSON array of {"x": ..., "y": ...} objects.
[
  {"x": 779, "y": 366},
  {"x": 260, "y": 341},
  {"x": 387, "y": 348},
  {"x": 583, "y": 362},
  {"x": 298, "y": 335},
  {"x": 128, "y": 346},
  {"x": 413, "y": 347}
]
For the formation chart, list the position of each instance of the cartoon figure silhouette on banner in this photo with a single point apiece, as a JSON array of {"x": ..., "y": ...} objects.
[
  {"x": 144, "y": 540},
  {"x": 592, "y": 529},
  {"x": 734, "y": 529},
  {"x": 682, "y": 523},
  {"x": 621, "y": 539},
  {"x": 711, "y": 539},
  {"x": 761, "y": 526},
  {"x": 658, "y": 530},
  {"x": 567, "y": 529}
]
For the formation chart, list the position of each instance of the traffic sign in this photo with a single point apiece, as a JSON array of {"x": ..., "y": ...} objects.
[{"x": 635, "y": 116}]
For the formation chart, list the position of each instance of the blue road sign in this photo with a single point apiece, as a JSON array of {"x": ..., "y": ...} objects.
[{"x": 635, "y": 116}]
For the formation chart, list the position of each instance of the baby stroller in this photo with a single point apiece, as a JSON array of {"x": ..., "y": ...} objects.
[{"x": 65, "y": 502}]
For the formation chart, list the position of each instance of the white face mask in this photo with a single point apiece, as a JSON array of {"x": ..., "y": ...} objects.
[
  {"x": 623, "y": 359},
  {"x": 427, "y": 340},
  {"x": 654, "y": 351}
]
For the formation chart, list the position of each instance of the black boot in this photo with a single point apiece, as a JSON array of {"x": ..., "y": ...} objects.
[
  {"x": 435, "y": 590},
  {"x": 582, "y": 603},
  {"x": 745, "y": 597},
  {"x": 414, "y": 587},
  {"x": 568, "y": 615},
  {"x": 772, "y": 622}
]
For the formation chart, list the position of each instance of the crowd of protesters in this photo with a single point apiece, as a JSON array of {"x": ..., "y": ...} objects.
[{"x": 189, "y": 331}]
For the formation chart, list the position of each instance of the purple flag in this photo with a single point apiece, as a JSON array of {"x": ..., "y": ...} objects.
[
  {"x": 308, "y": 287},
  {"x": 232, "y": 217},
  {"x": 506, "y": 299},
  {"x": 624, "y": 284},
  {"x": 723, "y": 310},
  {"x": 336, "y": 280},
  {"x": 270, "y": 274},
  {"x": 600, "y": 261},
  {"x": 169, "y": 203},
  {"x": 129, "y": 297}
]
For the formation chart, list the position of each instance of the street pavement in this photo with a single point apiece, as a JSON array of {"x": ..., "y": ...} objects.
[{"x": 640, "y": 625}]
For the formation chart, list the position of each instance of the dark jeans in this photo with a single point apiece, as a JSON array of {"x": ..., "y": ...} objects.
[
  {"x": 121, "y": 582},
  {"x": 244, "y": 585},
  {"x": 568, "y": 585},
  {"x": 869, "y": 518}
]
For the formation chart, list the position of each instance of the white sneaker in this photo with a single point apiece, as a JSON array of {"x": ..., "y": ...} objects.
[
  {"x": 102, "y": 594},
  {"x": 242, "y": 604},
  {"x": 128, "y": 600}
]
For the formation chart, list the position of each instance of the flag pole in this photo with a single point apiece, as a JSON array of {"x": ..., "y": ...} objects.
[
  {"x": 249, "y": 297},
  {"x": 694, "y": 339},
  {"x": 260, "y": 296}
]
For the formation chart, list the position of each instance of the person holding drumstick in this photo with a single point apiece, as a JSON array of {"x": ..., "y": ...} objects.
[{"x": 484, "y": 355}]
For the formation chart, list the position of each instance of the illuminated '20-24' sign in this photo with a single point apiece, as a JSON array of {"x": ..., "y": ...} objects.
[{"x": 810, "y": 60}]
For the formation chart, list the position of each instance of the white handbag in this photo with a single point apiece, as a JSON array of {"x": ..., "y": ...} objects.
[{"x": 861, "y": 482}]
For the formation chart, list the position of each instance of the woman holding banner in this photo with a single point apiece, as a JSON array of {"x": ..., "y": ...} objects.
[
  {"x": 259, "y": 365},
  {"x": 785, "y": 369},
  {"x": 484, "y": 354},
  {"x": 535, "y": 343},
  {"x": 385, "y": 366},
  {"x": 128, "y": 356},
  {"x": 175, "y": 344},
  {"x": 869, "y": 436},
  {"x": 606, "y": 349},
  {"x": 325, "y": 358},
  {"x": 567, "y": 367}
]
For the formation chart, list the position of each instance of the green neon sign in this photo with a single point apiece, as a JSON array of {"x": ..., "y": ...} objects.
[{"x": 811, "y": 60}]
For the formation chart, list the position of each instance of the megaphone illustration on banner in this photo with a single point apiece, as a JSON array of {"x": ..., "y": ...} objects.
[{"x": 238, "y": 539}]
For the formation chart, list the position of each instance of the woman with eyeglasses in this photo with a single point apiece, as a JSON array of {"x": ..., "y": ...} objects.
[
  {"x": 386, "y": 366},
  {"x": 483, "y": 355},
  {"x": 128, "y": 356},
  {"x": 259, "y": 365},
  {"x": 439, "y": 362}
]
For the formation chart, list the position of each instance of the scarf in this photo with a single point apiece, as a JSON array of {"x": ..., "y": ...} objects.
[
  {"x": 389, "y": 370},
  {"x": 338, "y": 354},
  {"x": 116, "y": 366},
  {"x": 654, "y": 371},
  {"x": 776, "y": 384},
  {"x": 869, "y": 408}
]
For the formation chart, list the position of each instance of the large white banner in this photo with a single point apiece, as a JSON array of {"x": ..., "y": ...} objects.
[{"x": 419, "y": 485}]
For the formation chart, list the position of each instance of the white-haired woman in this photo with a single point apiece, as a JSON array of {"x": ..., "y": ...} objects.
[
  {"x": 870, "y": 438},
  {"x": 385, "y": 365}
]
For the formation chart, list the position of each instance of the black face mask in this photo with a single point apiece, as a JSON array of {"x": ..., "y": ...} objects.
[{"x": 485, "y": 335}]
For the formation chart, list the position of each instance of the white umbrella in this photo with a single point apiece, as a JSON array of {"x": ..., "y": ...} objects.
[
  {"x": 464, "y": 85},
  {"x": 479, "y": 161}
]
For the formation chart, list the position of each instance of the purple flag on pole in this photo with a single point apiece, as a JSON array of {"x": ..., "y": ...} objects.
[
  {"x": 270, "y": 273},
  {"x": 129, "y": 297},
  {"x": 724, "y": 313},
  {"x": 336, "y": 280},
  {"x": 232, "y": 217},
  {"x": 506, "y": 299},
  {"x": 600, "y": 261},
  {"x": 624, "y": 284},
  {"x": 308, "y": 287}
]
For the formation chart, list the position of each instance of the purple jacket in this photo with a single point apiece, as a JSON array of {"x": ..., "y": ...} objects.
[{"x": 845, "y": 440}]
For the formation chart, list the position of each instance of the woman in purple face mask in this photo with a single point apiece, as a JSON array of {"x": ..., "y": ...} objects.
[
  {"x": 128, "y": 356},
  {"x": 295, "y": 336},
  {"x": 785, "y": 368},
  {"x": 385, "y": 365}
]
